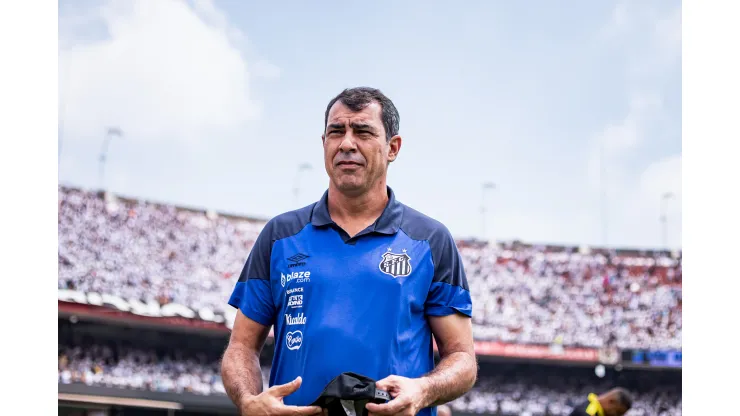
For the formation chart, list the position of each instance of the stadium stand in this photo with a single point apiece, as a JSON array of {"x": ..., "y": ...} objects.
[
  {"x": 503, "y": 389},
  {"x": 521, "y": 293}
]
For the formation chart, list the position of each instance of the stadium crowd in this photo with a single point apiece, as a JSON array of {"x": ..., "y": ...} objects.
[
  {"x": 138, "y": 370},
  {"x": 522, "y": 294},
  {"x": 513, "y": 391}
]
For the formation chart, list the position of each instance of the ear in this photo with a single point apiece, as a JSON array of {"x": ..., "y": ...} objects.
[
  {"x": 323, "y": 138},
  {"x": 394, "y": 146}
]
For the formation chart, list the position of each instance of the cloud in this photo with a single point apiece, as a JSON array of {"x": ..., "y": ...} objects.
[
  {"x": 660, "y": 178},
  {"x": 265, "y": 69},
  {"x": 161, "y": 70},
  {"x": 636, "y": 172},
  {"x": 667, "y": 31},
  {"x": 627, "y": 133},
  {"x": 617, "y": 139},
  {"x": 649, "y": 36}
]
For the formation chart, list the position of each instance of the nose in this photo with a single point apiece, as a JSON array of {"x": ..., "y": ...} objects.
[{"x": 348, "y": 144}]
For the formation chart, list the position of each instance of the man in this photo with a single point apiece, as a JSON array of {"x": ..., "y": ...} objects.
[
  {"x": 356, "y": 282},
  {"x": 615, "y": 402}
]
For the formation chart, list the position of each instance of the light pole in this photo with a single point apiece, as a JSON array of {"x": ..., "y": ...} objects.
[
  {"x": 487, "y": 186},
  {"x": 60, "y": 131},
  {"x": 296, "y": 184},
  {"x": 664, "y": 217},
  {"x": 603, "y": 194},
  {"x": 63, "y": 82},
  {"x": 109, "y": 134}
]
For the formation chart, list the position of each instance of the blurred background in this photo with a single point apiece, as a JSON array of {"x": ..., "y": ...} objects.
[{"x": 546, "y": 137}]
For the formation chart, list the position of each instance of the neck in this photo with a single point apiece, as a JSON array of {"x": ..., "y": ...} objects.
[{"x": 369, "y": 204}]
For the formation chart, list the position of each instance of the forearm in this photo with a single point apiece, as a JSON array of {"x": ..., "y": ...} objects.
[
  {"x": 451, "y": 378},
  {"x": 241, "y": 373}
]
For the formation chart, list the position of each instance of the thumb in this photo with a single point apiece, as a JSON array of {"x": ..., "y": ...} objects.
[{"x": 287, "y": 388}]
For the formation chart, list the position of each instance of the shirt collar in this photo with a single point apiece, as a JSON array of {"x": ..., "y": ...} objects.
[
  {"x": 388, "y": 223},
  {"x": 595, "y": 404}
]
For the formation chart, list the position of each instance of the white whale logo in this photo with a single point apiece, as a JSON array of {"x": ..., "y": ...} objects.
[{"x": 294, "y": 340}]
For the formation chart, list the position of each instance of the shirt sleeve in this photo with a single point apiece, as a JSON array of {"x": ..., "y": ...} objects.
[
  {"x": 578, "y": 412},
  {"x": 449, "y": 292},
  {"x": 253, "y": 292}
]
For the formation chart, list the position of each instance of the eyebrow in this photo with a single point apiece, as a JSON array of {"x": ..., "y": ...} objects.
[
  {"x": 362, "y": 126},
  {"x": 353, "y": 125},
  {"x": 338, "y": 126}
]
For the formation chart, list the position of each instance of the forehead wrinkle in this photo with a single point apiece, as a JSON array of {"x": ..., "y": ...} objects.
[
  {"x": 361, "y": 125},
  {"x": 365, "y": 115},
  {"x": 354, "y": 117}
]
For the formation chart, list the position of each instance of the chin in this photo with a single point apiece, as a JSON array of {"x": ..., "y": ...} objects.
[{"x": 350, "y": 187}]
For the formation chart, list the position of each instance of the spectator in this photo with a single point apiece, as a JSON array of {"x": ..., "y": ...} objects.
[
  {"x": 522, "y": 294},
  {"x": 513, "y": 391}
]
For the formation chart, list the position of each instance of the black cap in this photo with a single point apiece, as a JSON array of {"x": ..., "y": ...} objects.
[{"x": 355, "y": 390}]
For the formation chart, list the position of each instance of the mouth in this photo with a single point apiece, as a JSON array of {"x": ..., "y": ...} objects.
[{"x": 348, "y": 164}]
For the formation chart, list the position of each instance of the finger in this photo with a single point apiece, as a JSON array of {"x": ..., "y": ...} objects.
[
  {"x": 386, "y": 383},
  {"x": 287, "y": 388},
  {"x": 302, "y": 410},
  {"x": 390, "y": 408}
]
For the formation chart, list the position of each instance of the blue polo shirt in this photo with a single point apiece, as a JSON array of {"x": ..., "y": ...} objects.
[{"x": 356, "y": 304}]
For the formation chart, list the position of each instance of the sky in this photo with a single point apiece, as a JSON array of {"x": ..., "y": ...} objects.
[{"x": 220, "y": 102}]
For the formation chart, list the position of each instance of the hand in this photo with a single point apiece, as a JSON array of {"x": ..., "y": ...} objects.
[
  {"x": 270, "y": 403},
  {"x": 409, "y": 396}
]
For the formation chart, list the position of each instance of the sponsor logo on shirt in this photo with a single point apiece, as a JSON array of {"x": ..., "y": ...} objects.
[
  {"x": 299, "y": 277},
  {"x": 295, "y": 301},
  {"x": 294, "y": 340},
  {"x": 295, "y": 320},
  {"x": 297, "y": 260},
  {"x": 294, "y": 290}
]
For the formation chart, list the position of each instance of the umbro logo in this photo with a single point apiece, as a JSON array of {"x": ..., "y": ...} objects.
[{"x": 297, "y": 260}]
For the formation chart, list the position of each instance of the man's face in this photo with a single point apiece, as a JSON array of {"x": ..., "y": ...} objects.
[
  {"x": 614, "y": 408},
  {"x": 356, "y": 152},
  {"x": 621, "y": 411}
]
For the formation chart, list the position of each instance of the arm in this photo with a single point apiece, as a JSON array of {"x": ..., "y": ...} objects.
[
  {"x": 457, "y": 370},
  {"x": 252, "y": 298},
  {"x": 451, "y": 378},
  {"x": 242, "y": 377},
  {"x": 448, "y": 308},
  {"x": 240, "y": 367}
]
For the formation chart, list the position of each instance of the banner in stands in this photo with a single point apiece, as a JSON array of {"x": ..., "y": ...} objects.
[
  {"x": 172, "y": 314},
  {"x": 151, "y": 309},
  {"x": 536, "y": 352},
  {"x": 655, "y": 358}
]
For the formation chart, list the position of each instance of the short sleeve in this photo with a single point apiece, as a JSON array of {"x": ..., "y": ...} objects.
[
  {"x": 253, "y": 292},
  {"x": 579, "y": 411},
  {"x": 449, "y": 292}
]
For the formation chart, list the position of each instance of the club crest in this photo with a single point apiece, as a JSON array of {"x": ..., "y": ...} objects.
[{"x": 395, "y": 265}]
